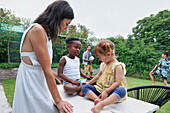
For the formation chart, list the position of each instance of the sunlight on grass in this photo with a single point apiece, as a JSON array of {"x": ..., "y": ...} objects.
[{"x": 132, "y": 82}]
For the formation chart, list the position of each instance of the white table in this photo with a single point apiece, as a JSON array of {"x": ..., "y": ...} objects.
[{"x": 84, "y": 105}]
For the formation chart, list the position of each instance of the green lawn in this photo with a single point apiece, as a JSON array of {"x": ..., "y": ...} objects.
[{"x": 9, "y": 86}]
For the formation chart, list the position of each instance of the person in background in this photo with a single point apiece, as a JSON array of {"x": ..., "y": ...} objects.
[
  {"x": 69, "y": 68},
  {"x": 36, "y": 90},
  {"x": 163, "y": 68},
  {"x": 87, "y": 62},
  {"x": 111, "y": 85}
]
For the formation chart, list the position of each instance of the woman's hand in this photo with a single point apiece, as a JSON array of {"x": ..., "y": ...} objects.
[
  {"x": 103, "y": 95},
  {"x": 65, "y": 107}
]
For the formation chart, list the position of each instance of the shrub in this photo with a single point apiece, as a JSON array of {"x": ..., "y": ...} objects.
[{"x": 9, "y": 65}]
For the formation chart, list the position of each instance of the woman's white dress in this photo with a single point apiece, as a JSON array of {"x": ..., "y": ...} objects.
[{"x": 32, "y": 94}]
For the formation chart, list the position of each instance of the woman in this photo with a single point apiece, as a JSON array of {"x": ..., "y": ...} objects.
[{"x": 36, "y": 90}]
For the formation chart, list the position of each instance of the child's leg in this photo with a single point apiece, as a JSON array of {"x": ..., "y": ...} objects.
[
  {"x": 92, "y": 95},
  {"x": 152, "y": 78},
  {"x": 165, "y": 82},
  {"x": 71, "y": 89},
  {"x": 81, "y": 93},
  {"x": 116, "y": 95},
  {"x": 110, "y": 100},
  {"x": 90, "y": 91}
]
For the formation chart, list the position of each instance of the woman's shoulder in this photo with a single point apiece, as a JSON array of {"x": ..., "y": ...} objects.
[
  {"x": 37, "y": 31},
  {"x": 37, "y": 28}
]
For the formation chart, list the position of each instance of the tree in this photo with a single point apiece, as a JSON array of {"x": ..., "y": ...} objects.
[
  {"x": 154, "y": 29},
  {"x": 26, "y": 22},
  {"x": 7, "y": 21}
]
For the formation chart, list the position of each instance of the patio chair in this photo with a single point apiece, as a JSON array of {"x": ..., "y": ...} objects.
[{"x": 155, "y": 94}]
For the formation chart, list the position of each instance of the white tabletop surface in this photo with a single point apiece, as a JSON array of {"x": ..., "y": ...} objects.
[{"x": 84, "y": 105}]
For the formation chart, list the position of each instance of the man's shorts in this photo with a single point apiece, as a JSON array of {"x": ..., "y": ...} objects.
[
  {"x": 88, "y": 68},
  {"x": 155, "y": 73}
]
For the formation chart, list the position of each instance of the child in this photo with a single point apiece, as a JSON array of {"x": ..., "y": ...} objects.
[
  {"x": 163, "y": 68},
  {"x": 69, "y": 67},
  {"x": 111, "y": 82}
]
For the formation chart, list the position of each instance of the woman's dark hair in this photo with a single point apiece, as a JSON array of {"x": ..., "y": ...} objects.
[
  {"x": 71, "y": 40},
  {"x": 53, "y": 15}
]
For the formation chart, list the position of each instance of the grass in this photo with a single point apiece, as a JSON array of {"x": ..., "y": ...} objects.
[{"x": 9, "y": 86}]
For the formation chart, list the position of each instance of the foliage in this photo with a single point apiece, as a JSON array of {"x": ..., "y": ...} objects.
[
  {"x": 54, "y": 65},
  {"x": 155, "y": 30},
  {"x": 9, "y": 65},
  {"x": 16, "y": 65},
  {"x": 142, "y": 50},
  {"x": 138, "y": 57},
  {"x": 79, "y": 31},
  {"x": 9, "y": 19},
  {"x": 26, "y": 22}
]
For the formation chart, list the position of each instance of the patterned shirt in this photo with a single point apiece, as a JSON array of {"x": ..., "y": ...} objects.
[{"x": 163, "y": 67}]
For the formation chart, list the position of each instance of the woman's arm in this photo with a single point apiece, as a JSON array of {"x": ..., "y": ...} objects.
[
  {"x": 39, "y": 43},
  {"x": 56, "y": 76}
]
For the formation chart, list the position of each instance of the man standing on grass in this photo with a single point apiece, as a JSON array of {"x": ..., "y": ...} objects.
[{"x": 87, "y": 62}]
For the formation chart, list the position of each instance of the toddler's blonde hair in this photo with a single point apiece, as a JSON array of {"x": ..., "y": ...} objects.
[{"x": 103, "y": 47}]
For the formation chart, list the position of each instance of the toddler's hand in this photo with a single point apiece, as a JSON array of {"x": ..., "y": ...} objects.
[
  {"x": 103, "y": 95},
  {"x": 76, "y": 83},
  {"x": 84, "y": 83}
]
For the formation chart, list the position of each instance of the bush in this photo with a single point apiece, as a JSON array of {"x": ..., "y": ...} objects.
[
  {"x": 9, "y": 65},
  {"x": 54, "y": 65},
  {"x": 16, "y": 65}
]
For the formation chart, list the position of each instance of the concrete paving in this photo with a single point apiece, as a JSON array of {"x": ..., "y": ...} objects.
[{"x": 4, "y": 105}]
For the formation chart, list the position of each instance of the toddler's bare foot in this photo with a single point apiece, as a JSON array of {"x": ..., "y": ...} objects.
[
  {"x": 97, "y": 108},
  {"x": 81, "y": 94},
  {"x": 153, "y": 84},
  {"x": 96, "y": 101}
]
